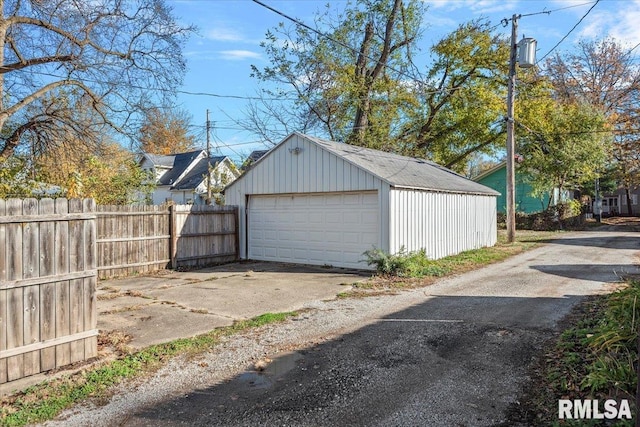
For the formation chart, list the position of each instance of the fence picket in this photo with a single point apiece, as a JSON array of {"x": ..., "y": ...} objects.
[
  {"x": 89, "y": 312},
  {"x": 76, "y": 290},
  {"x": 4, "y": 309},
  {"x": 63, "y": 351},
  {"x": 47, "y": 290},
  {"x": 31, "y": 294},
  {"x": 15, "y": 302}
]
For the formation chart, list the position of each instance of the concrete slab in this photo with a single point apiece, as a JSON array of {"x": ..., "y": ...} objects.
[
  {"x": 157, "y": 323},
  {"x": 172, "y": 305}
]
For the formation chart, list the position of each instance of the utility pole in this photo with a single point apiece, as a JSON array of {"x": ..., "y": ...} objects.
[
  {"x": 208, "y": 201},
  {"x": 511, "y": 172}
]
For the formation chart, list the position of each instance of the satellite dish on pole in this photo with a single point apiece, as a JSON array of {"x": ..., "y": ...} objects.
[{"x": 527, "y": 52}]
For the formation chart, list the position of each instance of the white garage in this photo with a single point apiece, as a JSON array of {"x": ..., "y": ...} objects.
[{"x": 312, "y": 201}]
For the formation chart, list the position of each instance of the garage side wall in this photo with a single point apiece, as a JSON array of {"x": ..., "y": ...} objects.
[
  {"x": 298, "y": 166},
  {"x": 441, "y": 223}
]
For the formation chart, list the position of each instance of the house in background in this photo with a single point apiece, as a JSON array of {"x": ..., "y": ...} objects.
[
  {"x": 313, "y": 201},
  {"x": 615, "y": 203},
  {"x": 526, "y": 202},
  {"x": 182, "y": 178}
]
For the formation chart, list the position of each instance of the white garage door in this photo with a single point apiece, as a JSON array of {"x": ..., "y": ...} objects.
[{"x": 322, "y": 229}]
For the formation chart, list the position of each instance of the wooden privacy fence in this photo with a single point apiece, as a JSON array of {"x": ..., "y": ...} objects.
[
  {"x": 139, "y": 239},
  {"x": 52, "y": 250},
  {"x": 47, "y": 285}
]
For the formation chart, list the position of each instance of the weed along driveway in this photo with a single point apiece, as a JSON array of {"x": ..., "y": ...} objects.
[
  {"x": 455, "y": 353},
  {"x": 172, "y": 305}
]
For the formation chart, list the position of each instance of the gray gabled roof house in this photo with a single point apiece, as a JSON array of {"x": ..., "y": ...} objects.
[
  {"x": 313, "y": 201},
  {"x": 182, "y": 178}
]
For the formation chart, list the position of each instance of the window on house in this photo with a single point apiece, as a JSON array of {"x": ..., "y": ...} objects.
[{"x": 634, "y": 199}]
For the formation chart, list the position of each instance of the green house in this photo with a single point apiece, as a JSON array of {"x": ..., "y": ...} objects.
[{"x": 496, "y": 178}]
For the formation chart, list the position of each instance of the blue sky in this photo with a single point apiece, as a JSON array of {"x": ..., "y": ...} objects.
[{"x": 219, "y": 57}]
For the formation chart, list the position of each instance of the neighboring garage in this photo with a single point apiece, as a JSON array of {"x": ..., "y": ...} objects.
[{"x": 313, "y": 201}]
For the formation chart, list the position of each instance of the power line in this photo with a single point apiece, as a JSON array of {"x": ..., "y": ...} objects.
[
  {"x": 184, "y": 92},
  {"x": 548, "y": 12},
  {"x": 570, "y": 31}
]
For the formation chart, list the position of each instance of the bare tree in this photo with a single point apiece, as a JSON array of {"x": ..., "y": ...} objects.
[{"x": 71, "y": 67}]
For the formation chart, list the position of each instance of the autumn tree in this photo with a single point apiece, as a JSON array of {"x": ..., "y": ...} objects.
[
  {"x": 606, "y": 76},
  {"x": 108, "y": 56},
  {"x": 107, "y": 173},
  {"x": 166, "y": 132}
]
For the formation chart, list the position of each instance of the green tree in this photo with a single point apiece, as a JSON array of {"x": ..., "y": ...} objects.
[
  {"x": 93, "y": 54},
  {"x": 14, "y": 180},
  {"x": 359, "y": 84},
  {"x": 350, "y": 86},
  {"x": 607, "y": 76},
  {"x": 565, "y": 148},
  {"x": 462, "y": 103}
]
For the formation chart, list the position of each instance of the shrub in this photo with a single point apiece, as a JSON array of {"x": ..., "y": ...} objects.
[
  {"x": 557, "y": 217},
  {"x": 403, "y": 263}
]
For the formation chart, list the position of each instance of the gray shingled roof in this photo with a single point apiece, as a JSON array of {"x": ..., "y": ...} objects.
[
  {"x": 180, "y": 164},
  {"x": 197, "y": 174},
  {"x": 161, "y": 160},
  {"x": 401, "y": 171},
  {"x": 256, "y": 155}
]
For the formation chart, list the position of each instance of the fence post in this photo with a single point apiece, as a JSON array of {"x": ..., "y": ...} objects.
[
  {"x": 173, "y": 233},
  {"x": 237, "y": 231}
]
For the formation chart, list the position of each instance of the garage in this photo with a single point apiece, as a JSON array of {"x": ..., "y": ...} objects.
[
  {"x": 314, "y": 201},
  {"x": 332, "y": 229}
]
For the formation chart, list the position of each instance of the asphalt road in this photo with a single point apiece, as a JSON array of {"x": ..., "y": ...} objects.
[{"x": 453, "y": 354}]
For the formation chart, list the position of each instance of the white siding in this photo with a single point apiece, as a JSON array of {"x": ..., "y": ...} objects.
[
  {"x": 441, "y": 223},
  {"x": 161, "y": 194},
  {"x": 312, "y": 170}
]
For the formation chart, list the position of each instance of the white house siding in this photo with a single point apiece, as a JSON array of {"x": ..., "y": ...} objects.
[
  {"x": 312, "y": 170},
  {"x": 441, "y": 223},
  {"x": 161, "y": 194}
]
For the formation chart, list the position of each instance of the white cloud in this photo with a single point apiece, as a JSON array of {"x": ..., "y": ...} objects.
[
  {"x": 619, "y": 22},
  {"x": 223, "y": 34},
  {"x": 238, "y": 55}
]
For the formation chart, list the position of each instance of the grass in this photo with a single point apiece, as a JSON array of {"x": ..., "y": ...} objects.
[
  {"x": 595, "y": 357},
  {"x": 414, "y": 269},
  {"x": 44, "y": 401}
]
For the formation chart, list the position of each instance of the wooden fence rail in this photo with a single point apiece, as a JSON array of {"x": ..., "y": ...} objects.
[{"x": 47, "y": 285}]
